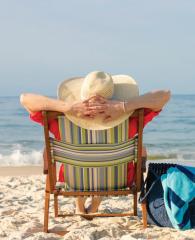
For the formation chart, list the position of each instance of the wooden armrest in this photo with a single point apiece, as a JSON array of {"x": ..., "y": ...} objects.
[{"x": 45, "y": 162}]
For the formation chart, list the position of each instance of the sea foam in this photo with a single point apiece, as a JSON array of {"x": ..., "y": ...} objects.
[{"x": 19, "y": 158}]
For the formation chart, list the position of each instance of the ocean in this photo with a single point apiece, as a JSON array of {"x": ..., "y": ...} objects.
[{"x": 171, "y": 135}]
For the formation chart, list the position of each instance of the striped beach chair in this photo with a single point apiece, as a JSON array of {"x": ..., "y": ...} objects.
[{"x": 95, "y": 163}]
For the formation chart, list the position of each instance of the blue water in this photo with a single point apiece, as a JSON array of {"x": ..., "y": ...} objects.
[{"x": 170, "y": 135}]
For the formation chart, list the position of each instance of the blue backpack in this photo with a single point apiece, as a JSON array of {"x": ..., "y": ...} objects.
[{"x": 152, "y": 193}]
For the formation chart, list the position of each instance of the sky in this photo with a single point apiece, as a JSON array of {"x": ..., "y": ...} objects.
[{"x": 43, "y": 42}]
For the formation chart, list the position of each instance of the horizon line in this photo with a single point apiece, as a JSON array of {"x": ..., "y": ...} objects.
[{"x": 174, "y": 94}]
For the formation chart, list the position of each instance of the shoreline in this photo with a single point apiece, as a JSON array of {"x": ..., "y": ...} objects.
[
  {"x": 28, "y": 170},
  {"x": 21, "y": 170}
]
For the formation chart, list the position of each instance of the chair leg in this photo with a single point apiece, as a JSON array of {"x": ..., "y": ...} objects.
[
  {"x": 46, "y": 211},
  {"x": 56, "y": 205},
  {"x": 135, "y": 204},
  {"x": 144, "y": 214}
]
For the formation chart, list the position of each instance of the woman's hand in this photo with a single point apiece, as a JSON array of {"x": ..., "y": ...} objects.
[
  {"x": 110, "y": 109},
  {"x": 83, "y": 109},
  {"x": 97, "y": 105},
  {"x": 113, "y": 110}
]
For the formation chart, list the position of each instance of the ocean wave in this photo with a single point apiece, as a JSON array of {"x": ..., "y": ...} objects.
[
  {"x": 175, "y": 154},
  {"x": 34, "y": 157},
  {"x": 162, "y": 156},
  {"x": 19, "y": 158}
]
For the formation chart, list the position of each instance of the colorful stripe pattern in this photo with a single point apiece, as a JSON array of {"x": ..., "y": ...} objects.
[
  {"x": 71, "y": 133},
  {"x": 94, "y": 160}
]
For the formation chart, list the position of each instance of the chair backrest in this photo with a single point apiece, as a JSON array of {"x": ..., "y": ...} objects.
[
  {"x": 71, "y": 133},
  {"x": 94, "y": 160}
]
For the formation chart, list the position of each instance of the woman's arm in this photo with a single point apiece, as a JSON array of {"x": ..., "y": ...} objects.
[
  {"x": 154, "y": 100},
  {"x": 111, "y": 109},
  {"x": 34, "y": 103}
]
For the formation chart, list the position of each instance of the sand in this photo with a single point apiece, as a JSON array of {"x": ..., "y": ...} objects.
[
  {"x": 21, "y": 171},
  {"x": 21, "y": 214}
]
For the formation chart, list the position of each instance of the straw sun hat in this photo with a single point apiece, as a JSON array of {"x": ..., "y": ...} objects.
[{"x": 116, "y": 87}]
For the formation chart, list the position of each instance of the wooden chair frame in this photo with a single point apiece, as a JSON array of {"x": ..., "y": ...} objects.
[{"x": 50, "y": 171}]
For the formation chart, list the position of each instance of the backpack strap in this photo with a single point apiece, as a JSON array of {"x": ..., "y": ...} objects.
[{"x": 144, "y": 193}]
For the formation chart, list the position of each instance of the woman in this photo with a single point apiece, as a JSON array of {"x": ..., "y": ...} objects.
[{"x": 96, "y": 89}]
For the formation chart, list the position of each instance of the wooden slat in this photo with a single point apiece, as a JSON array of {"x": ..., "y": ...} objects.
[
  {"x": 53, "y": 115},
  {"x": 46, "y": 209},
  {"x": 45, "y": 162},
  {"x": 94, "y": 193},
  {"x": 48, "y": 151},
  {"x": 144, "y": 214}
]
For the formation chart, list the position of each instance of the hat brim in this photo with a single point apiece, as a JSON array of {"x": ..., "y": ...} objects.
[{"x": 125, "y": 88}]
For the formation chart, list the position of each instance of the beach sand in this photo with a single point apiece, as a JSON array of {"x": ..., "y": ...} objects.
[{"x": 21, "y": 213}]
